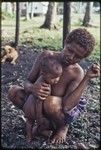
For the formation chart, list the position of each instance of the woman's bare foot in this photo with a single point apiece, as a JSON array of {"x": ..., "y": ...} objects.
[{"x": 60, "y": 135}]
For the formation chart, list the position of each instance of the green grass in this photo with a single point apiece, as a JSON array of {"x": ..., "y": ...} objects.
[{"x": 31, "y": 34}]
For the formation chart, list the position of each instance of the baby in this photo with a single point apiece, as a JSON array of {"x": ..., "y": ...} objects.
[{"x": 51, "y": 72}]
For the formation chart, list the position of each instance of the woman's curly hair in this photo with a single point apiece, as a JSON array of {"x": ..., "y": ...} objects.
[{"x": 82, "y": 37}]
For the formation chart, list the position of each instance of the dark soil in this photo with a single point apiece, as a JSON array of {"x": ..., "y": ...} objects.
[{"x": 85, "y": 130}]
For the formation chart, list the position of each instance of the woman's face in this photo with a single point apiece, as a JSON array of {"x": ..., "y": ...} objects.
[{"x": 72, "y": 53}]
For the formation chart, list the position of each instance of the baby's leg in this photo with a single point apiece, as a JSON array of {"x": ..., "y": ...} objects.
[
  {"x": 29, "y": 110},
  {"x": 29, "y": 127},
  {"x": 44, "y": 127},
  {"x": 46, "y": 133},
  {"x": 42, "y": 122},
  {"x": 39, "y": 113}
]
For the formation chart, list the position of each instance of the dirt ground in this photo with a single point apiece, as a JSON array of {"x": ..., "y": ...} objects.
[{"x": 85, "y": 130}]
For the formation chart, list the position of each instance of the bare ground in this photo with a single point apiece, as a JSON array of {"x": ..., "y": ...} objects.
[{"x": 85, "y": 130}]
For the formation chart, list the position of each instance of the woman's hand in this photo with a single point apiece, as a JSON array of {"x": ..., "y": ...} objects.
[
  {"x": 41, "y": 90},
  {"x": 93, "y": 71}
]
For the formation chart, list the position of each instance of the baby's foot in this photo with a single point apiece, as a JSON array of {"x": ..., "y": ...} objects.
[
  {"x": 35, "y": 131},
  {"x": 46, "y": 133}
]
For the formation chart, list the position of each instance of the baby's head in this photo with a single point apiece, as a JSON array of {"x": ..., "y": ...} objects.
[{"x": 51, "y": 70}]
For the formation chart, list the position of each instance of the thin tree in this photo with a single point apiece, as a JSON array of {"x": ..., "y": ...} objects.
[
  {"x": 13, "y": 7},
  {"x": 32, "y": 6},
  {"x": 27, "y": 11},
  {"x": 66, "y": 19},
  {"x": 7, "y": 7},
  {"x": 50, "y": 19},
  {"x": 86, "y": 19},
  {"x": 0, "y": 17},
  {"x": 17, "y": 24}
]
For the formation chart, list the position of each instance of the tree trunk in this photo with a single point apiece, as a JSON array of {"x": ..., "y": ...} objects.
[
  {"x": 13, "y": 8},
  {"x": 50, "y": 16},
  {"x": 86, "y": 19},
  {"x": 32, "y": 10},
  {"x": 17, "y": 24},
  {"x": 27, "y": 11},
  {"x": 0, "y": 17},
  {"x": 66, "y": 20},
  {"x": 7, "y": 7}
]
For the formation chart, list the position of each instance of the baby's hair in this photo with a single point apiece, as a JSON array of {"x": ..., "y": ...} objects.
[
  {"x": 82, "y": 37},
  {"x": 51, "y": 65}
]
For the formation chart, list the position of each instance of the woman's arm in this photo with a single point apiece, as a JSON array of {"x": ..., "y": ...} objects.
[{"x": 72, "y": 99}]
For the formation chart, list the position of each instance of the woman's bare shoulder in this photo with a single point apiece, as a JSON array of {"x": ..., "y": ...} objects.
[{"x": 78, "y": 70}]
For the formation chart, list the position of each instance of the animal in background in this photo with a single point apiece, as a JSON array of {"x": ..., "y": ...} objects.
[{"x": 9, "y": 54}]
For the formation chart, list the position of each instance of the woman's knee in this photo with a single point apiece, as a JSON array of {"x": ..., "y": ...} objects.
[{"x": 52, "y": 105}]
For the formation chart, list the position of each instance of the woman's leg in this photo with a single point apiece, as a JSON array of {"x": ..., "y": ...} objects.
[
  {"x": 53, "y": 111},
  {"x": 75, "y": 112}
]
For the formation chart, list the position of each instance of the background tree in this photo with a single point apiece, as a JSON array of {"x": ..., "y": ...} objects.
[
  {"x": 32, "y": 7},
  {"x": 0, "y": 17},
  {"x": 27, "y": 11},
  {"x": 66, "y": 19},
  {"x": 50, "y": 19},
  {"x": 7, "y": 7},
  {"x": 17, "y": 24},
  {"x": 13, "y": 7},
  {"x": 86, "y": 19}
]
